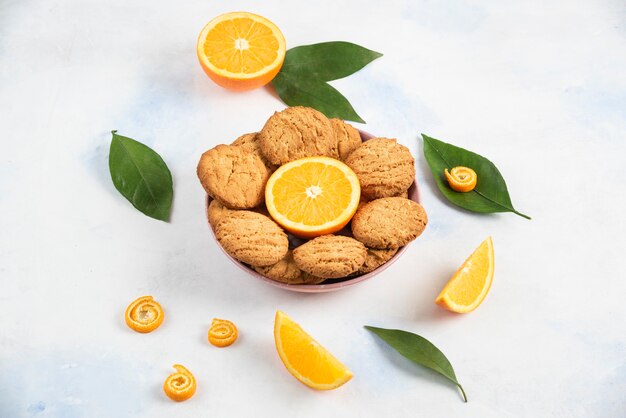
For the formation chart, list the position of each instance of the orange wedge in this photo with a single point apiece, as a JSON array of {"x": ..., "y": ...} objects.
[
  {"x": 241, "y": 50},
  {"x": 470, "y": 284},
  {"x": 305, "y": 358},
  {"x": 313, "y": 196}
]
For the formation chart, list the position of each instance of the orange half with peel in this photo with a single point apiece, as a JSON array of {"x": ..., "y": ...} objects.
[
  {"x": 241, "y": 50},
  {"x": 313, "y": 196},
  {"x": 305, "y": 358},
  {"x": 469, "y": 286}
]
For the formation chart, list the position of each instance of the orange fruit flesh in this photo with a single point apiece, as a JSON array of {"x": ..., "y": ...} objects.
[
  {"x": 469, "y": 286},
  {"x": 241, "y": 50},
  {"x": 313, "y": 196},
  {"x": 305, "y": 358},
  {"x": 241, "y": 46}
]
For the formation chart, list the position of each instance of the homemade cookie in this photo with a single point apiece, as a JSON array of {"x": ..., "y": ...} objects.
[
  {"x": 330, "y": 256},
  {"x": 348, "y": 138},
  {"x": 252, "y": 238},
  {"x": 216, "y": 212},
  {"x": 297, "y": 132},
  {"x": 390, "y": 222},
  {"x": 376, "y": 258},
  {"x": 250, "y": 143},
  {"x": 384, "y": 167},
  {"x": 234, "y": 177},
  {"x": 286, "y": 271}
]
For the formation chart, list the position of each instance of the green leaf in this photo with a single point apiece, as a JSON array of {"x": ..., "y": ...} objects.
[
  {"x": 302, "y": 80},
  {"x": 327, "y": 61},
  {"x": 419, "y": 350},
  {"x": 298, "y": 91},
  {"x": 141, "y": 176},
  {"x": 490, "y": 194}
]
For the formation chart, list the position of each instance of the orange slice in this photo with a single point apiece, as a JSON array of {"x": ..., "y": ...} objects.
[
  {"x": 144, "y": 314},
  {"x": 222, "y": 333},
  {"x": 470, "y": 284},
  {"x": 313, "y": 196},
  {"x": 305, "y": 358},
  {"x": 181, "y": 385},
  {"x": 241, "y": 50}
]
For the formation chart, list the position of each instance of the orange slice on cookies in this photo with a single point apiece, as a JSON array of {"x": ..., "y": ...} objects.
[{"x": 313, "y": 196}]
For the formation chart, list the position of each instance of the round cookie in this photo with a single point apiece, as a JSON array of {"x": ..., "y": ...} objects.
[
  {"x": 348, "y": 138},
  {"x": 376, "y": 258},
  {"x": 330, "y": 256},
  {"x": 234, "y": 177},
  {"x": 250, "y": 143},
  {"x": 384, "y": 167},
  {"x": 297, "y": 132},
  {"x": 286, "y": 271},
  {"x": 390, "y": 222},
  {"x": 252, "y": 238},
  {"x": 216, "y": 212}
]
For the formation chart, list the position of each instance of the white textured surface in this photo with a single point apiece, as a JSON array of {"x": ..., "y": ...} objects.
[{"x": 538, "y": 87}]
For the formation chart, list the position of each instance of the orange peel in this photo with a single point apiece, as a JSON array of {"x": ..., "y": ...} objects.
[
  {"x": 461, "y": 179},
  {"x": 222, "y": 333},
  {"x": 144, "y": 314},
  {"x": 181, "y": 385}
]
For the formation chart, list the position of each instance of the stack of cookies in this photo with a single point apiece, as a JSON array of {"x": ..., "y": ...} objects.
[{"x": 235, "y": 176}]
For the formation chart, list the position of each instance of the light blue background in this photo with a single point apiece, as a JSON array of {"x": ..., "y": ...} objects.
[{"x": 538, "y": 87}]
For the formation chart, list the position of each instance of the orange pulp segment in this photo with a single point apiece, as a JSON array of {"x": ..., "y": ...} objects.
[
  {"x": 241, "y": 50},
  {"x": 469, "y": 286},
  {"x": 305, "y": 358},
  {"x": 313, "y": 196}
]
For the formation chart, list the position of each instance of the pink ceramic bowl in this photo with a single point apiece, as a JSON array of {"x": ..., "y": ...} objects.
[{"x": 331, "y": 284}]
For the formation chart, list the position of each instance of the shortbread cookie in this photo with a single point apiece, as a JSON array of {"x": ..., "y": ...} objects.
[
  {"x": 297, "y": 132},
  {"x": 252, "y": 238},
  {"x": 286, "y": 271},
  {"x": 376, "y": 258},
  {"x": 384, "y": 167},
  {"x": 234, "y": 177},
  {"x": 348, "y": 138},
  {"x": 390, "y": 222},
  {"x": 330, "y": 256},
  {"x": 250, "y": 143},
  {"x": 216, "y": 212}
]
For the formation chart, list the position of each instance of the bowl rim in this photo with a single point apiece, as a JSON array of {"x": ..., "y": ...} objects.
[{"x": 320, "y": 288}]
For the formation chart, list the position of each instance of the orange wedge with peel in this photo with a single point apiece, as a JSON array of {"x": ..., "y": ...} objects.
[
  {"x": 241, "y": 50},
  {"x": 313, "y": 196},
  {"x": 305, "y": 358},
  {"x": 469, "y": 286}
]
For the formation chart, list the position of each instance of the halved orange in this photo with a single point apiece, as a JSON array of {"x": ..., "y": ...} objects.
[
  {"x": 305, "y": 358},
  {"x": 241, "y": 50},
  {"x": 313, "y": 196},
  {"x": 469, "y": 286}
]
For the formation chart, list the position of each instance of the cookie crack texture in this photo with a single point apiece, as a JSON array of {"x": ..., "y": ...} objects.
[
  {"x": 233, "y": 176},
  {"x": 252, "y": 238},
  {"x": 388, "y": 223},
  {"x": 330, "y": 256},
  {"x": 297, "y": 132},
  {"x": 384, "y": 167}
]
